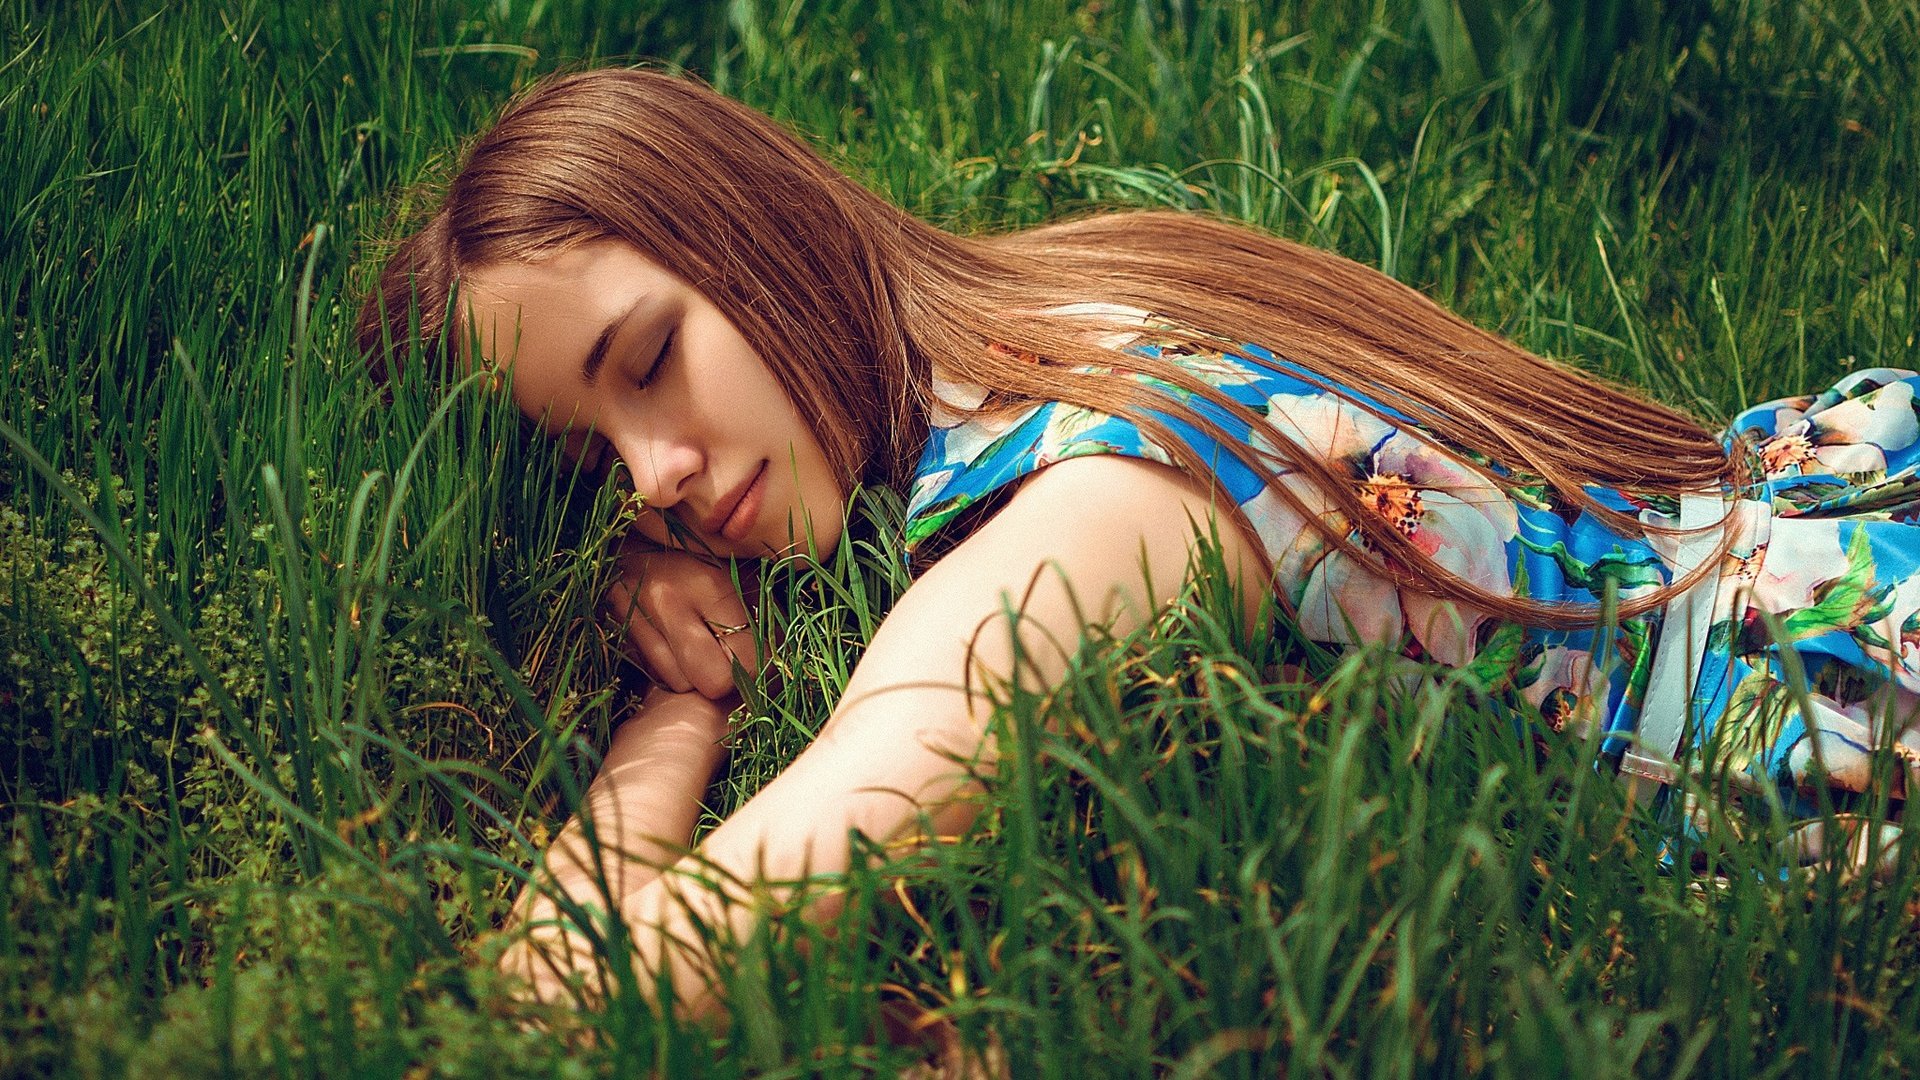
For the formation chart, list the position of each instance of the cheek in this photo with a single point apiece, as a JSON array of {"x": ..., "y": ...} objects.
[
  {"x": 827, "y": 501},
  {"x": 815, "y": 479}
]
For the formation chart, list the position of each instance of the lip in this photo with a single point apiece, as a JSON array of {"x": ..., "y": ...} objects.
[{"x": 734, "y": 517}]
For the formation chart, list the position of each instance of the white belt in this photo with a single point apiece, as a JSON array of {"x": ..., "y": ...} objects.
[{"x": 1666, "y": 709}]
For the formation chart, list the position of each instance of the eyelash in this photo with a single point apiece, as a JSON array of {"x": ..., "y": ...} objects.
[
  {"x": 597, "y": 456},
  {"x": 660, "y": 361}
]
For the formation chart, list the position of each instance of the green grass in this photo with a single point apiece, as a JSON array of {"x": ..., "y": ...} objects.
[{"x": 295, "y": 677}]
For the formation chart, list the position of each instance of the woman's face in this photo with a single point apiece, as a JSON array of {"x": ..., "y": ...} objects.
[{"x": 617, "y": 357}]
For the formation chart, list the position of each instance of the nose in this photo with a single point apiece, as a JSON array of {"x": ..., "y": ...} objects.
[{"x": 661, "y": 465}]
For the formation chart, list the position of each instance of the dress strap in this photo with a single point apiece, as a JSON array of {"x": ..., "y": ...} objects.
[{"x": 1665, "y": 710}]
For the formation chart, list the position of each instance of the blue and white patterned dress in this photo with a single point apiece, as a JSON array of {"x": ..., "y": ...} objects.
[{"x": 1817, "y": 600}]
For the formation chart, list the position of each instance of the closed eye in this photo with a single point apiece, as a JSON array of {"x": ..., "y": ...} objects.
[{"x": 659, "y": 361}]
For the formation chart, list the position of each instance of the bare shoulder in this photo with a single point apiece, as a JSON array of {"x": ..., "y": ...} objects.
[
  {"x": 1103, "y": 522},
  {"x": 1119, "y": 483},
  {"x": 1108, "y": 496}
]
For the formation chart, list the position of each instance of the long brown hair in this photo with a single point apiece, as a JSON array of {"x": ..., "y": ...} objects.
[{"x": 852, "y": 303}]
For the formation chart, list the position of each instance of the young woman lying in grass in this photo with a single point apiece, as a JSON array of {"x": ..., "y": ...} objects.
[{"x": 682, "y": 287}]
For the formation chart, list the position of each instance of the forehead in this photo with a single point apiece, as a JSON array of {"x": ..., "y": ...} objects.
[
  {"x": 521, "y": 312},
  {"x": 541, "y": 318},
  {"x": 573, "y": 292}
]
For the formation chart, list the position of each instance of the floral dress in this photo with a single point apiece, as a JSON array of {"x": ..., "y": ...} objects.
[{"x": 1795, "y": 665}]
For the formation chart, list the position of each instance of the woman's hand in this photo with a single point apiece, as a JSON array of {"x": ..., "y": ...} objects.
[
  {"x": 907, "y": 747},
  {"x": 904, "y": 754},
  {"x": 685, "y": 621}
]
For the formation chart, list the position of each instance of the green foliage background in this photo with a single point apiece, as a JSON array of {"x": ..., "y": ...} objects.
[{"x": 296, "y": 678}]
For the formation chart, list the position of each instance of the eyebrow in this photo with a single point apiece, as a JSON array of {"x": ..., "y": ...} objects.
[{"x": 597, "y": 355}]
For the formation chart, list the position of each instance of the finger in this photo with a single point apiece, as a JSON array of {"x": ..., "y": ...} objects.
[
  {"x": 742, "y": 645},
  {"x": 691, "y": 631},
  {"x": 653, "y": 651},
  {"x": 707, "y": 664},
  {"x": 624, "y": 604},
  {"x": 726, "y": 619}
]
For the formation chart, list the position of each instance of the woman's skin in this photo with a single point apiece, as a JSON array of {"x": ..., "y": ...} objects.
[
  {"x": 699, "y": 425},
  {"x": 692, "y": 414}
]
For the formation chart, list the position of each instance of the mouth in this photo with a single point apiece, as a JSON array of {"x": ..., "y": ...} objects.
[{"x": 733, "y": 518}]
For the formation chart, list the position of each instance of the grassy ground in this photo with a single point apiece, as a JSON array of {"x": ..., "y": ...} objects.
[{"x": 295, "y": 679}]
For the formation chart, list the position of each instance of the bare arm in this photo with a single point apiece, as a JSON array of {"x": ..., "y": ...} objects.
[
  {"x": 643, "y": 805},
  {"x": 889, "y": 752}
]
